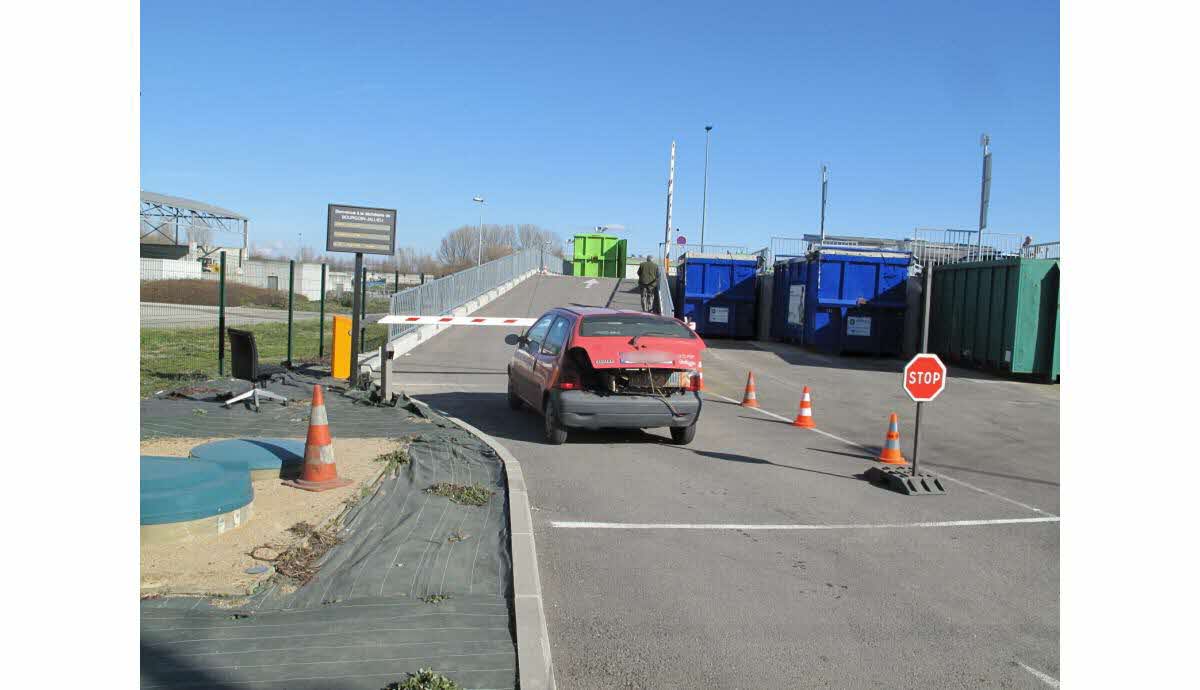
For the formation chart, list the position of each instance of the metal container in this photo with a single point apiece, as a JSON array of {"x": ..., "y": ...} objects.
[
  {"x": 719, "y": 292},
  {"x": 842, "y": 299},
  {"x": 1001, "y": 315},
  {"x": 599, "y": 255}
]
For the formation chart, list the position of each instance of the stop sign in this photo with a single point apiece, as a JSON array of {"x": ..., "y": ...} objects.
[{"x": 924, "y": 377}]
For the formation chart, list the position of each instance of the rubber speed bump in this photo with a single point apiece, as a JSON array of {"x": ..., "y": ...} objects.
[
  {"x": 891, "y": 454},
  {"x": 750, "y": 398},
  {"x": 904, "y": 481},
  {"x": 804, "y": 418},
  {"x": 320, "y": 470}
]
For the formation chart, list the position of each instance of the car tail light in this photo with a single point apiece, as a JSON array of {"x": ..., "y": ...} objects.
[
  {"x": 691, "y": 381},
  {"x": 567, "y": 385},
  {"x": 567, "y": 382}
]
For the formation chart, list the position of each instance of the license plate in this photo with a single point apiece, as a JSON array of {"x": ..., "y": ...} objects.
[{"x": 646, "y": 358}]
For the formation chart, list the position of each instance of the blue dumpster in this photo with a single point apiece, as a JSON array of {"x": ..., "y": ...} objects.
[
  {"x": 842, "y": 299},
  {"x": 719, "y": 292}
]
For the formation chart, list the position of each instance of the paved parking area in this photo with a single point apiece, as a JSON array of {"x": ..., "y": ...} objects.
[{"x": 757, "y": 557}]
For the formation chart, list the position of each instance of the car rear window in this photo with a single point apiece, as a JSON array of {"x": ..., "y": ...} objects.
[{"x": 631, "y": 325}]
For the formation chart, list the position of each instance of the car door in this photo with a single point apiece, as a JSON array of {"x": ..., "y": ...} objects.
[
  {"x": 546, "y": 361},
  {"x": 525, "y": 357}
]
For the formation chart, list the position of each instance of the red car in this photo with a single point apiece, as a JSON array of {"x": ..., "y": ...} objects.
[{"x": 592, "y": 368}]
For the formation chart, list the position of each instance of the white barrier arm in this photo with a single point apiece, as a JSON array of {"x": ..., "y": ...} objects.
[{"x": 406, "y": 320}]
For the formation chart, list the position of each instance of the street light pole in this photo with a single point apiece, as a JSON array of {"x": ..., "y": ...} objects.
[
  {"x": 985, "y": 192},
  {"x": 479, "y": 200},
  {"x": 704, "y": 202}
]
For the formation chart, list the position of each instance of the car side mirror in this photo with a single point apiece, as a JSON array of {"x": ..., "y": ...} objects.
[{"x": 513, "y": 339}]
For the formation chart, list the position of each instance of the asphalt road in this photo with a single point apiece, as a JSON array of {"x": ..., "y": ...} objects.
[
  {"x": 154, "y": 315},
  {"x": 867, "y": 589}
]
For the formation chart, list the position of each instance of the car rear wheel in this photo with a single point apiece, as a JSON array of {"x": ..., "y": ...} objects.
[
  {"x": 555, "y": 433},
  {"x": 514, "y": 400},
  {"x": 683, "y": 435}
]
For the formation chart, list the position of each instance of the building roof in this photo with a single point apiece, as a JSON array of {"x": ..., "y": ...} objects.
[{"x": 190, "y": 205}]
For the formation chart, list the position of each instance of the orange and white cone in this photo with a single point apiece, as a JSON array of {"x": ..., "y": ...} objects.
[
  {"x": 891, "y": 454},
  {"x": 804, "y": 418},
  {"x": 320, "y": 470},
  {"x": 750, "y": 399}
]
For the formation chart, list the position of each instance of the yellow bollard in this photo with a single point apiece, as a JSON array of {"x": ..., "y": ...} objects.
[{"x": 341, "y": 347}]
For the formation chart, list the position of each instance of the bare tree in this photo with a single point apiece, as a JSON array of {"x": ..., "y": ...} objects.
[
  {"x": 533, "y": 236},
  {"x": 461, "y": 248}
]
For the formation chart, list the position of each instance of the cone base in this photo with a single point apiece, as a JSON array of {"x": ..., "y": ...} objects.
[
  {"x": 892, "y": 461},
  {"x": 749, "y": 403},
  {"x": 318, "y": 486},
  {"x": 805, "y": 423}
]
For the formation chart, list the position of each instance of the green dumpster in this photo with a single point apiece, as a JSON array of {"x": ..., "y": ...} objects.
[
  {"x": 599, "y": 255},
  {"x": 1000, "y": 315}
]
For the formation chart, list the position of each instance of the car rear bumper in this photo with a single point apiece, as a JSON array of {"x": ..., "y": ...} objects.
[{"x": 588, "y": 410}]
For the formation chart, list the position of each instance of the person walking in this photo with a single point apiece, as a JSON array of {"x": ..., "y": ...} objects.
[{"x": 648, "y": 282}]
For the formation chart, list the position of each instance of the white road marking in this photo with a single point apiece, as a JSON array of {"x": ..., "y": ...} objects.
[
  {"x": 567, "y": 524},
  {"x": 869, "y": 450},
  {"x": 1048, "y": 680},
  {"x": 590, "y": 283}
]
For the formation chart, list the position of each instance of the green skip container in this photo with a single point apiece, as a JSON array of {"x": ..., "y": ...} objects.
[
  {"x": 1000, "y": 315},
  {"x": 599, "y": 256}
]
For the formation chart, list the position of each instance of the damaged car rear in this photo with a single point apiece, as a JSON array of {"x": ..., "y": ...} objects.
[{"x": 594, "y": 368}]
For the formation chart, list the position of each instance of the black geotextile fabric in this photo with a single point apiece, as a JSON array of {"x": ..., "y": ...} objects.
[
  {"x": 198, "y": 410},
  {"x": 418, "y": 581}
]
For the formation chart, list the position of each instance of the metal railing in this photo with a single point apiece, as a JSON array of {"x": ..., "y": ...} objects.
[
  {"x": 1045, "y": 250},
  {"x": 932, "y": 246},
  {"x": 666, "y": 305},
  {"x": 437, "y": 297}
]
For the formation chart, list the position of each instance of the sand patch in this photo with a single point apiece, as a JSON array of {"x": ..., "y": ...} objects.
[{"x": 215, "y": 564}]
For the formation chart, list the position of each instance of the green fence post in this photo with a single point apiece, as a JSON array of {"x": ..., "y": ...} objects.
[
  {"x": 221, "y": 320},
  {"x": 397, "y": 282},
  {"x": 321, "y": 328},
  {"x": 291, "y": 297}
]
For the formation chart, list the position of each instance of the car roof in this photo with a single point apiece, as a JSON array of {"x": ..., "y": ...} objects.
[{"x": 605, "y": 311}]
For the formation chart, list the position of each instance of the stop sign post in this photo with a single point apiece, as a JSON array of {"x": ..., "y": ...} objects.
[{"x": 925, "y": 374}]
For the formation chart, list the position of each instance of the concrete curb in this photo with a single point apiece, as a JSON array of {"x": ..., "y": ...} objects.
[
  {"x": 535, "y": 668},
  {"x": 405, "y": 343}
]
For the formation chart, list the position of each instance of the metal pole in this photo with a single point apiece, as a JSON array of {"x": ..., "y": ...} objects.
[
  {"x": 291, "y": 297},
  {"x": 670, "y": 192},
  {"x": 397, "y": 281},
  {"x": 704, "y": 202},
  {"x": 362, "y": 341},
  {"x": 985, "y": 187},
  {"x": 924, "y": 348},
  {"x": 356, "y": 306},
  {"x": 221, "y": 320},
  {"x": 824, "y": 196},
  {"x": 479, "y": 259},
  {"x": 321, "y": 327}
]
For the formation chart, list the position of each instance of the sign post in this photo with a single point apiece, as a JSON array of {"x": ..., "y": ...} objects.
[
  {"x": 923, "y": 380},
  {"x": 925, "y": 374},
  {"x": 359, "y": 230}
]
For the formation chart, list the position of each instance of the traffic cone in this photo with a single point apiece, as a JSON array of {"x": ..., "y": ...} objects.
[
  {"x": 804, "y": 418},
  {"x": 320, "y": 471},
  {"x": 750, "y": 399},
  {"x": 891, "y": 444}
]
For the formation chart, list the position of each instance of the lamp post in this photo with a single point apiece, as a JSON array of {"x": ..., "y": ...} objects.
[
  {"x": 479, "y": 200},
  {"x": 704, "y": 202}
]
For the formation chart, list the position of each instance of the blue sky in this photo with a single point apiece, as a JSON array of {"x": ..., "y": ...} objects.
[{"x": 562, "y": 114}]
